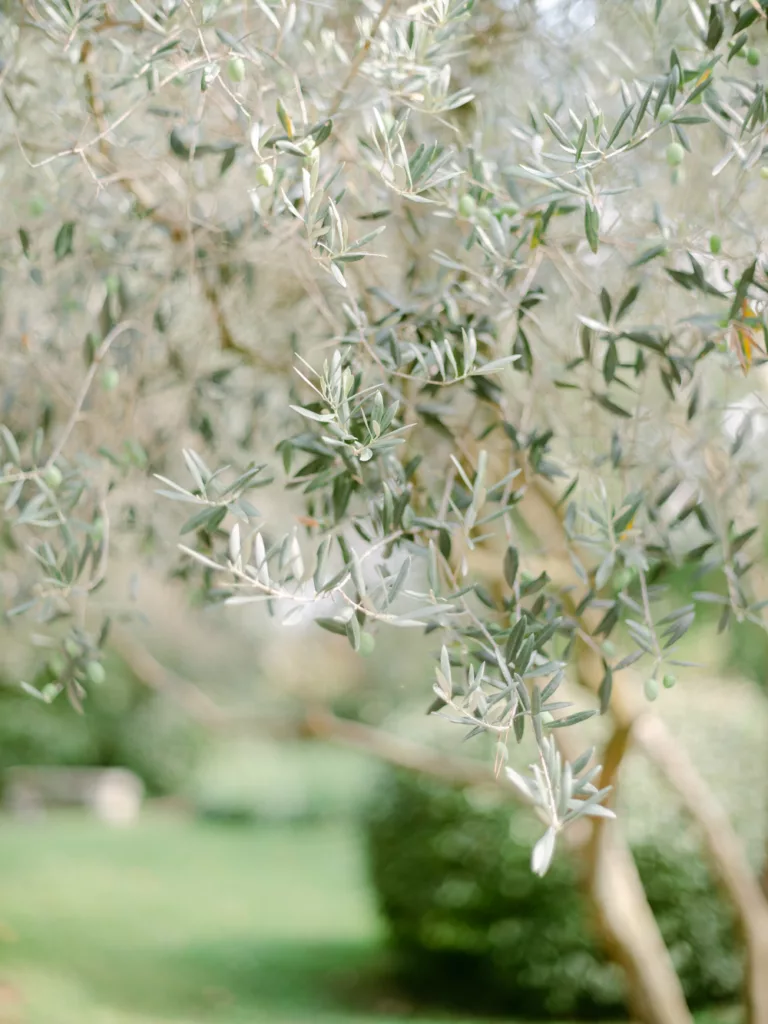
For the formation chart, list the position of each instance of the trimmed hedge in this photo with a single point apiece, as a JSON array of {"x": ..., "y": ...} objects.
[{"x": 471, "y": 923}]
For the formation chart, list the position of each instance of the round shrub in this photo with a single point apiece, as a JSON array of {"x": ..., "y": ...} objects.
[{"x": 471, "y": 923}]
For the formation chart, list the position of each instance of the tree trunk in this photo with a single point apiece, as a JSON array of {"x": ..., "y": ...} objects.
[{"x": 627, "y": 926}]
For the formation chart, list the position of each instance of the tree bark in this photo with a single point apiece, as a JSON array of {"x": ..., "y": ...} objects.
[{"x": 629, "y": 931}]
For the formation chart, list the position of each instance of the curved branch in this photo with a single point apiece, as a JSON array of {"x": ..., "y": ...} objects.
[{"x": 316, "y": 724}]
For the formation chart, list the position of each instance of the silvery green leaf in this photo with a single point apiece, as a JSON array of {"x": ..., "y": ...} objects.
[
  {"x": 575, "y": 719},
  {"x": 353, "y": 632},
  {"x": 190, "y": 499},
  {"x": 295, "y": 559},
  {"x": 208, "y": 518},
  {"x": 604, "y": 570},
  {"x": 521, "y": 784},
  {"x": 260, "y": 560},
  {"x": 332, "y": 625},
  {"x": 598, "y": 811},
  {"x": 322, "y": 555},
  {"x": 13, "y": 496},
  {"x": 582, "y": 761},
  {"x": 356, "y": 571},
  {"x": 543, "y": 851},
  {"x": 197, "y": 468},
  {"x": 235, "y": 545},
  {"x": 11, "y": 446},
  {"x": 326, "y": 417},
  {"x": 495, "y": 365}
]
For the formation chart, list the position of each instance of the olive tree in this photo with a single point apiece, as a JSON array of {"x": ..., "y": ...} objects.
[{"x": 473, "y": 291}]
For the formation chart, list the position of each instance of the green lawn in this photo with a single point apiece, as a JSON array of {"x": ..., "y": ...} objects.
[
  {"x": 185, "y": 922},
  {"x": 190, "y": 923}
]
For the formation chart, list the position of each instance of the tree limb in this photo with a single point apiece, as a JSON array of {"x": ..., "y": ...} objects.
[{"x": 317, "y": 723}]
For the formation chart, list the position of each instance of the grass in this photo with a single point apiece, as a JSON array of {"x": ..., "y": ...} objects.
[
  {"x": 189, "y": 923},
  {"x": 185, "y": 922}
]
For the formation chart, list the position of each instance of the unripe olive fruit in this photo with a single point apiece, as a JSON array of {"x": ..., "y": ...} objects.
[
  {"x": 484, "y": 215},
  {"x": 666, "y": 111},
  {"x": 306, "y": 146},
  {"x": 753, "y": 56},
  {"x": 651, "y": 688},
  {"x": 467, "y": 206},
  {"x": 367, "y": 644},
  {"x": 715, "y": 244},
  {"x": 110, "y": 379},
  {"x": 72, "y": 648},
  {"x": 49, "y": 692},
  {"x": 264, "y": 175},
  {"x": 56, "y": 665},
  {"x": 53, "y": 477},
  {"x": 236, "y": 69},
  {"x": 764, "y": 172},
  {"x": 95, "y": 672},
  {"x": 675, "y": 154},
  {"x": 669, "y": 681},
  {"x": 546, "y": 717}
]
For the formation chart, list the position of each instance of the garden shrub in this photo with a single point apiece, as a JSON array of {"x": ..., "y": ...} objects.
[{"x": 470, "y": 921}]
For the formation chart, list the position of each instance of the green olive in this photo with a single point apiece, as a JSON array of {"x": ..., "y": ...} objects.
[
  {"x": 53, "y": 477},
  {"x": 666, "y": 111},
  {"x": 675, "y": 154},
  {"x": 56, "y": 665},
  {"x": 95, "y": 672},
  {"x": 110, "y": 379},
  {"x": 72, "y": 648},
  {"x": 753, "y": 56},
  {"x": 236, "y": 69},
  {"x": 651, "y": 688},
  {"x": 669, "y": 681},
  {"x": 467, "y": 206},
  {"x": 764, "y": 172},
  {"x": 264, "y": 175},
  {"x": 715, "y": 244},
  {"x": 484, "y": 215},
  {"x": 367, "y": 644}
]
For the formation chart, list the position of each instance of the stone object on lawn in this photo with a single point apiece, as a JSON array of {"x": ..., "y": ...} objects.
[{"x": 114, "y": 795}]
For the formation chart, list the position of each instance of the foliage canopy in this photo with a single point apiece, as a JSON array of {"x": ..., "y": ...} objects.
[{"x": 514, "y": 255}]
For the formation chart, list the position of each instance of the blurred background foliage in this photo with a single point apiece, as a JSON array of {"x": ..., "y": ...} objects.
[{"x": 453, "y": 880}]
